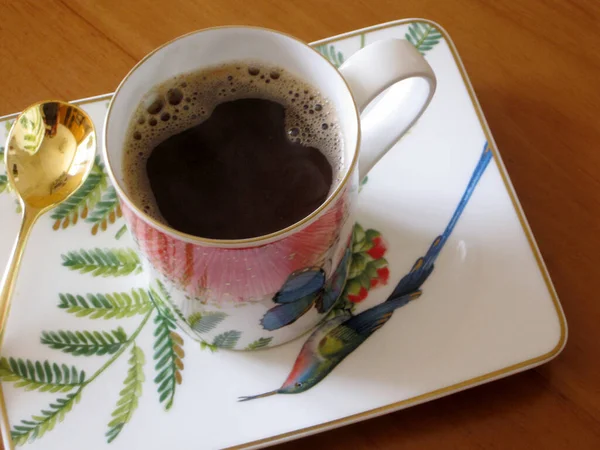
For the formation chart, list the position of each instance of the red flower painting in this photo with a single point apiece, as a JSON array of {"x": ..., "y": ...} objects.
[{"x": 369, "y": 268}]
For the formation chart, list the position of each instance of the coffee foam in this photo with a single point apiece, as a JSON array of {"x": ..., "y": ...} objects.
[{"x": 188, "y": 99}]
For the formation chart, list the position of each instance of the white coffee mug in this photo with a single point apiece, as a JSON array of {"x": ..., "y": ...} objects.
[{"x": 215, "y": 288}]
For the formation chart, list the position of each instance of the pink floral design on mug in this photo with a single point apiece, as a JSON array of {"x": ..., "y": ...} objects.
[{"x": 267, "y": 290}]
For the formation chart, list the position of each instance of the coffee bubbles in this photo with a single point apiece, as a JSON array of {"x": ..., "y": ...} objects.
[{"x": 189, "y": 99}]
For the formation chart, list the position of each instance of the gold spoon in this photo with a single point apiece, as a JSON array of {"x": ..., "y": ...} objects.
[{"x": 49, "y": 153}]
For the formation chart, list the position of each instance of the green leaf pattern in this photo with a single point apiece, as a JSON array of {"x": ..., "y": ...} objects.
[
  {"x": 40, "y": 376},
  {"x": 168, "y": 352},
  {"x": 228, "y": 339},
  {"x": 129, "y": 396},
  {"x": 205, "y": 322},
  {"x": 104, "y": 262},
  {"x": 117, "y": 305},
  {"x": 259, "y": 343},
  {"x": 423, "y": 36},
  {"x": 107, "y": 211},
  {"x": 85, "y": 342},
  {"x": 40, "y": 424},
  {"x": 335, "y": 57},
  {"x": 79, "y": 204}
]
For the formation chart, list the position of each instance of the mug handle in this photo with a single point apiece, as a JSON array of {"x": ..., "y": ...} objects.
[{"x": 392, "y": 85}]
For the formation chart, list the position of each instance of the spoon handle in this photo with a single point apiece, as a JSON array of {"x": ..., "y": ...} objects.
[
  {"x": 12, "y": 268},
  {"x": 7, "y": 285}
]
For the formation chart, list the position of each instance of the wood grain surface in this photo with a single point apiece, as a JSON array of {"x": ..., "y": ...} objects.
[{"x": 535, "y": 66}]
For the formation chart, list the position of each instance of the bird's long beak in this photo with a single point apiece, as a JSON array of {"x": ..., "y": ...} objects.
[{"x": 252, "y": 397}]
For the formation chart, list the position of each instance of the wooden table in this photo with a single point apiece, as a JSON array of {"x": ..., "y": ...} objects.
[{"x": 535, "y": 66}]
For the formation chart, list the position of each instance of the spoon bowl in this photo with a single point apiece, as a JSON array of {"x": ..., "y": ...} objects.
[{"x": 50, "y": 151}]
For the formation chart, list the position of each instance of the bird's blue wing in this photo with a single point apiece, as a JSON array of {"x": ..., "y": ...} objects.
[
  {"x": 335, "y": 285},
  {"x": 286, "y": 313},
  {"x": 300, "y": 284},
  {"x": 371, "y": 320},
  {"x": 420, "y": 271},
  {"x": 299, "y": 292},
  {"x": 434, "y": 250}
]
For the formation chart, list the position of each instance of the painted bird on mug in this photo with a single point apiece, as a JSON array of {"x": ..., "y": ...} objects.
[
  {"x": 332, "y": 342},
  {"x": 338, "y": 337}
]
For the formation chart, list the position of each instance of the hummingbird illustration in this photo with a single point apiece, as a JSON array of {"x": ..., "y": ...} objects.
[
  {"x": 303, "y": 289},
  {"x": 338, "y": 337}
]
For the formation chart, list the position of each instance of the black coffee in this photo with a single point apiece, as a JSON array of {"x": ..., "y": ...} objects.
[{"x": 232, "y": 152}]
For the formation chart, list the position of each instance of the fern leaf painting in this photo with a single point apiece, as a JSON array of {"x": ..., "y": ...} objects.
[
  {"x": 423, "y": 36},
  {"x": 52, "y": 377},
  {"x": 120, "y": 233},
  {"x": 106, "y": 211},
  {"x": 46, "y": 420},
  {"x": 228, "y": 339},
  {"x": 95, "y": 203},
  {"x": 79, "y": 204},
  {"x": 168, "y": 353},
  {"x": 129, "y": 396},
  {"x": 117, "y": 305},
  {"x": 334, "y": 56},
  {"x": 40, "y": 376},
  {"x": 85, "y": 342},
  {"x": 205, "y": 322},
  {"x": 104, "y": 262},
  {"x": 259, "y": 343}
]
